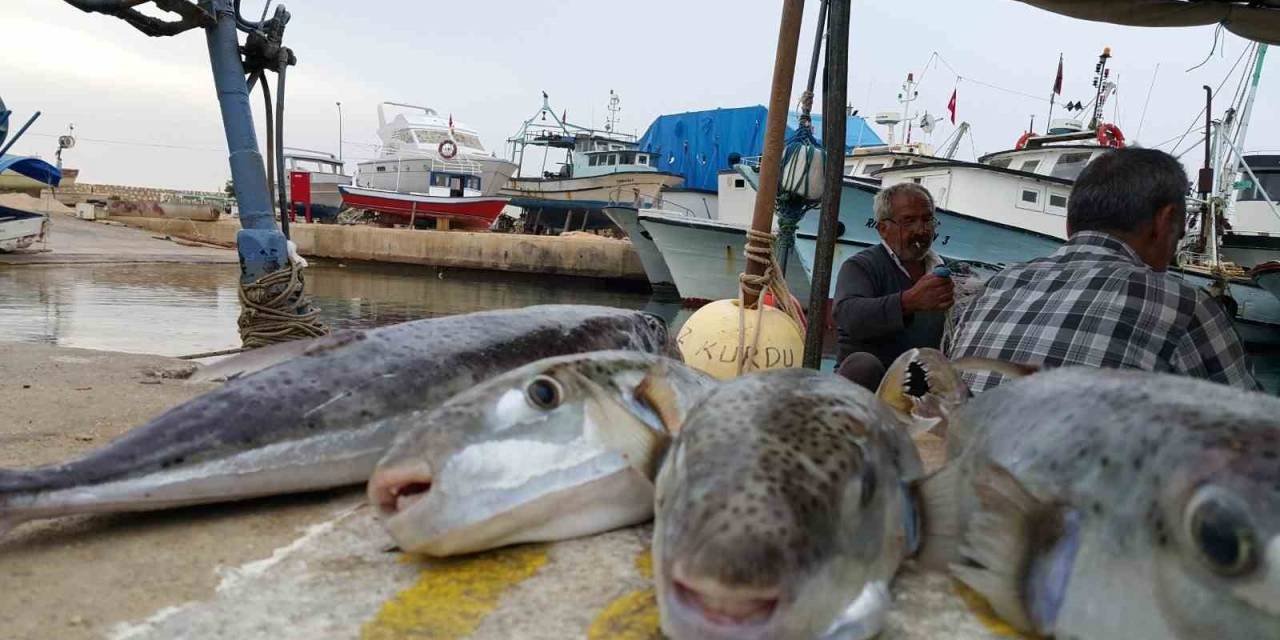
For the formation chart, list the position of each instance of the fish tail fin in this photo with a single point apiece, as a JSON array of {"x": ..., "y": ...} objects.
[{"x": 938, "y": 497}]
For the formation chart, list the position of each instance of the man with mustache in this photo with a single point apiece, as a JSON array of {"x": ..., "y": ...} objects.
[{"x": 888, "y": 298}]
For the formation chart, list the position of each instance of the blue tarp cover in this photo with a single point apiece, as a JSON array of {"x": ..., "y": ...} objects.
[
  {"x": 33, "y": 168},
  {"x": 697, "y": 144}
]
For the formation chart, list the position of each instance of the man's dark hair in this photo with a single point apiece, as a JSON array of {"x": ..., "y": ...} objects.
[{"x": 1122, "y": 189}]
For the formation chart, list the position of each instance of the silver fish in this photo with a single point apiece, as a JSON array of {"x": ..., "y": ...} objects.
[
  {"x": 559, "y": 448},
  {"x": 316, "y": 421},
  {"x": 1096, "y": 504},
  {"x": 782, "y": 511}
]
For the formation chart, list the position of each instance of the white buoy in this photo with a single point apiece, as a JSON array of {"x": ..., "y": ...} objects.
[{"x": 709, "y": 342}]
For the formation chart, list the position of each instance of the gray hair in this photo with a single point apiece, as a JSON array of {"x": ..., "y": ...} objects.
[
  {"x": 883, "y": 204},
  {"x": 1123, "y": 189}
]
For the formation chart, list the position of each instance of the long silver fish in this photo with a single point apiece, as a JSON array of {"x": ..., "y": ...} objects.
[
  {"x": 316, "y": 421},
  {"x": 782, "y": 511},
  {"x": 1097, "y": 504},
  {"x": 559, "y": 448}
]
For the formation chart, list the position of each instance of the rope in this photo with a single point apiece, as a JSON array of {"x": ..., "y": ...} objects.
[
  {"x": 772, "y": 281},
  {"x": 274, "y": 309}
]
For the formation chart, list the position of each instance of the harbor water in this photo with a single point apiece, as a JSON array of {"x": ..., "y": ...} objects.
[{"x": 180, "y": 309}]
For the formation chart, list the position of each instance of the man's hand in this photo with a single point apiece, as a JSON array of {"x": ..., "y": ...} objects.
[{"x": 930, "y": 293}]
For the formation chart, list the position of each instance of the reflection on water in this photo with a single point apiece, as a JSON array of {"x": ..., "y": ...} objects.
[
  {"x": 174, "y": 310},
  {"x": 170, "y": 309}
]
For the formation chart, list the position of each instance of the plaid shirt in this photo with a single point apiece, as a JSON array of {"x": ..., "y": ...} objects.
[{"x": 1094, "y": 302}]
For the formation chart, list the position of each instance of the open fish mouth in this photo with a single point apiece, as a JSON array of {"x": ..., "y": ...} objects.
[
  {"x": 916, "y": 382},
  {"x": 735, "y": 610},
  {"x": 395, "y": 490}
]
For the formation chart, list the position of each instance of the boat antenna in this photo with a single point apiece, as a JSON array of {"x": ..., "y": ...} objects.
[
  {"x": 615, "y": 106},
  {"x": 1100, "y": 83}
]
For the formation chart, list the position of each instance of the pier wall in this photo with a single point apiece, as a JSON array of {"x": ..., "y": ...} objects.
[{"x": 551, "y": 255}]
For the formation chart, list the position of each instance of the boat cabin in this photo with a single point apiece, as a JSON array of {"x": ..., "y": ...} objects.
[
  {"x": 863, "y": 162},
  {"x": 1252, "y": 213}
]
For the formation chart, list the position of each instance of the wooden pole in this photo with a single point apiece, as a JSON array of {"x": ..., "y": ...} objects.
[
  {"x": 784, "y": 72},
  {"x": 834, "y": 92}
]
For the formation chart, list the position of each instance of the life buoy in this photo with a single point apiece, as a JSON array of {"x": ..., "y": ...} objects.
[
  {"x": 1022, "y": 142},
  {"x": 448, "y": 149},
  {"x": 1109, "y": 135}
]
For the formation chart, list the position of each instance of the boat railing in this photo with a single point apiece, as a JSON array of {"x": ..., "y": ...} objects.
[
  {"x": 458, "y": 164},
  {"x": 751, "y": 161},
  {"x": 1203, "y": 263}
]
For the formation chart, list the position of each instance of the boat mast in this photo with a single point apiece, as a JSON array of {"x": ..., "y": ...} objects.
[
  {"x": 1246, "y": 113},
  {"x": 1100, "y": 83},
  {"x": 908, "y": 95}
]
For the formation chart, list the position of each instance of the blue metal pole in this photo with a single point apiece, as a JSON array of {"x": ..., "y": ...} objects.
[{"x": 260, "y": 243}]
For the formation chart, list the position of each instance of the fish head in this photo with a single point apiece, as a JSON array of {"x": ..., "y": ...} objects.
[
  {"x": 923, "y": 386},
  {"x": 775, "y": 508},
  {"x": 561, "y": 447},
  {"x": 1218, "y": 538}
]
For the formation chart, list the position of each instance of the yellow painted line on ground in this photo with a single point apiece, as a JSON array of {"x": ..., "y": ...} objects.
[
  {"x": 452, "y": 596},
  {"x": 982, "y": 610},
  {"x": 632, "y": 616}
]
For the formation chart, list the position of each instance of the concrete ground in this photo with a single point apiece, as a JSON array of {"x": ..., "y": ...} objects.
[
  {"x": 71, "y": 240},
  {"x": 313, "y": 566}
]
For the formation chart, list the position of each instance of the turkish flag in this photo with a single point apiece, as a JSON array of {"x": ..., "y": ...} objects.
[
  {"x": 1057, "y": 82},
  {"x": 951, "y": 106}
]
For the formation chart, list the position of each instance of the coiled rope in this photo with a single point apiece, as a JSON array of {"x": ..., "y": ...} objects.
[
  {"x": 273, "y": 309},
  {"x": 755, "y": 286}
]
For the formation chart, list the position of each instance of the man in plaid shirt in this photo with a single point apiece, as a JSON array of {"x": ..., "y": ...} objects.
[{"x": 1103, "y": 299}]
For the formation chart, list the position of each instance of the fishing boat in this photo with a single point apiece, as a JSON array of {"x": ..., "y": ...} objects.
[
  {"x": 457, "y": 204},
  {"x": 1253, "y": 237},
  {"x": 421, "y": 149},
  {"x": 19, "y": 229},
  {"x": 600, "y": 169},
  {"x": 321, "y": 174}
]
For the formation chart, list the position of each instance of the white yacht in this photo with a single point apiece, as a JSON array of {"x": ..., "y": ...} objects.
[{"x": 421, "y": 149}]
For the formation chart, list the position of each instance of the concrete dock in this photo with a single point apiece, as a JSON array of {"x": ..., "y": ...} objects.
[
  {"x": 568, "y": 255},
  {"x": 313, "y": 566}
]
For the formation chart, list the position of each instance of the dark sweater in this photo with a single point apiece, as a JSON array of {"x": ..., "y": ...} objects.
[{"x": 868, "y": 309}]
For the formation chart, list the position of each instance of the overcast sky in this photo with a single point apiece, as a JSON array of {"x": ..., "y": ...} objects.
[{"x": 145, "y": 112}]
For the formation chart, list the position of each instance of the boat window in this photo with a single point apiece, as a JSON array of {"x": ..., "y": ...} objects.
[
  {"x": 615, "y": 147},
  {"x": 439, "y": 179},
  {"x": 1030, "y": 165},
  {"x": 1057, "y": 200},
  {"x": 403, "y": 135},
  {"x": 613, "y": 159},
  {"x": 642, "y": 159},
  {"x": 1270, "y": 183},
  {"x": 381, "y": 168},
  {"x": 1070, "y": 165},
  {"x": 1030, "y": 196},
  {"x": 898, "y": 162},
  {"x": 1000, "y": 163},
  {"x": 872, "y": 168},
  {"x": 627, "y": 158},
  {"x": 467, "y": 140},
  {"x": 473, "y": 182},
  {"x": 739, "y": 183},
  {"x": 427, "y": 136},
  {"x": 593, "y": 161}
]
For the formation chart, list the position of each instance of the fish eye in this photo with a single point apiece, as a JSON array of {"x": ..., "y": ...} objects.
[
  {"x": 544, "y": 392},
  {"x": 1223, "y": 535}
]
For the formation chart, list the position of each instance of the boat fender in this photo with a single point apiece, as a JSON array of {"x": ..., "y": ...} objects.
[
  {"x": 448, "y": 149},
  {"x": 1109, "y": 135}
]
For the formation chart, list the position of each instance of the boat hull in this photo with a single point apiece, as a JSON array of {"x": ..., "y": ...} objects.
[
  {"x": 413, "y": 175},
  {"x": 705, "y": 257},
  {"x": 20, "y": 229},
  {"x": 655, "y": 267},
  {"x": 472, "y": 212},
  {"x": 591, "y": 192}
]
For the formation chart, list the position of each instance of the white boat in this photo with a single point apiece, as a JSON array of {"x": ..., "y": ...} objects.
[
  {"x": 21, "y": 229},
  {"x": 1254, "y": 235},
  {"x": 324, "y": 173},
  {"x": 600, "y": 169},
  {"x": 421, "y": 149}
]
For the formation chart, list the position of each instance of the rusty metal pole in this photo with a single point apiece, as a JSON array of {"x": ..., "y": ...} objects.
[
  {"x": 834, "y": 93},
  {"x": 775, "y": 129}
]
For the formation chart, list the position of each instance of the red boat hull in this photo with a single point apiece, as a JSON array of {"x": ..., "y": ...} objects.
[{"x": 472, "y": 213}]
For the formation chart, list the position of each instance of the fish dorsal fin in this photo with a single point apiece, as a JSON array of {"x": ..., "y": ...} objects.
[
  {"x": 1006, "y": 546},
  {"x": 1003, "y": 367},
  {"x": 655, "y": 392}
]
